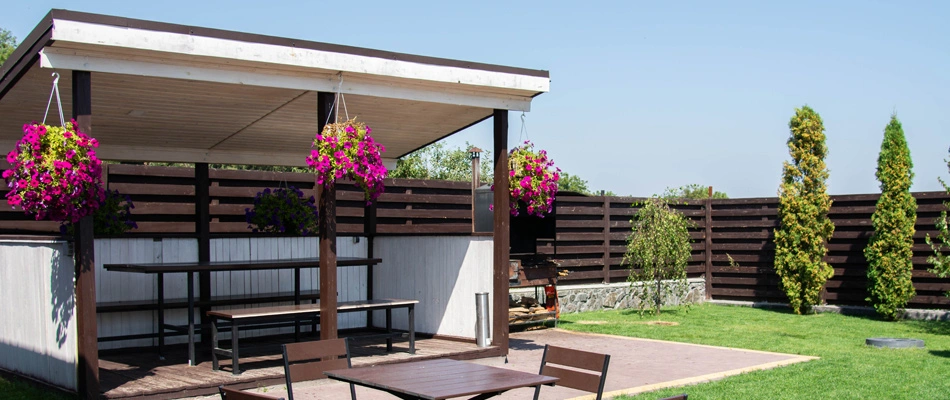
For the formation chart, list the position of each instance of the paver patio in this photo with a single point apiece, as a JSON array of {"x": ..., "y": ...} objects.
[{"x": 636, "y": 365}]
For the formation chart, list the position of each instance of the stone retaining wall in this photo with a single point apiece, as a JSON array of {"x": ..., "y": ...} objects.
[{"x": 578, "y": 298}]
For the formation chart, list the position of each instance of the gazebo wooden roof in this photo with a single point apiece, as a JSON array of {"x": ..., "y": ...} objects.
[
  {"x": 174, "y": 93},
  {"x": 165, "y": 92}
]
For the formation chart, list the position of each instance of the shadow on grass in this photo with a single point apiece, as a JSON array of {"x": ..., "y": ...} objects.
[
  {"x": 941, "y": 353},
  {"x": 932, "y": 327},
  {"x": 648, "y": 314}
]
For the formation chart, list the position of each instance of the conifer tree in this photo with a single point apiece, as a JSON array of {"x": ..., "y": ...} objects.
[
  {"x": 804, "y": 226},
  {"x": 890, "y": 249}
]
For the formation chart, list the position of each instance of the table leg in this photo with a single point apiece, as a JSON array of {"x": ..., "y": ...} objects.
[
  {"x": 296, "y": 302},
  {"x": 235, "y": 369},
  {"x": 214, "y": 344},
  {"x": 412, "y": 329},
  {"x": 161, "y": 316},
  {"x": 191, "y": 319},
  {"x": 389, "y": 329}
]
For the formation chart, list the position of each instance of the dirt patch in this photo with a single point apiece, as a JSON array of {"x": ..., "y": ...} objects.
[{"x": 662, "y": 323}]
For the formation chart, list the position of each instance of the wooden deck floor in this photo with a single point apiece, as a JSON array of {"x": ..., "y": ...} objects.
[{"x": 142, "y": 375}]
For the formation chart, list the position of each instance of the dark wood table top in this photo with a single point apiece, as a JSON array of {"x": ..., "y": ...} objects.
[
  {"x": 313, "y": 262},
  {"x": 440, "y": 379}
]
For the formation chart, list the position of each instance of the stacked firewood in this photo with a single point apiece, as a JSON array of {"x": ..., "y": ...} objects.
[{"x": 526, "y": 309}]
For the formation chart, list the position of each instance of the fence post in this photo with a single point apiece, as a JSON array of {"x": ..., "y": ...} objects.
[
  {"x": 606, "y": 239},
  {"x": 707, "y": 247}
]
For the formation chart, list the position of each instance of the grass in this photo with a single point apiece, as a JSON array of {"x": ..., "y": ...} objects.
[
  {"x": 16, "y": 389},
  {"x": 848, "y": 369}
]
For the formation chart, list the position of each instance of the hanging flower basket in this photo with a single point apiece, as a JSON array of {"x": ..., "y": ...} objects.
[
  {"x": 532, "y": 180},
  {"x": 55, "y": 174},
  {"x": 283, "y": 210},
  {"x": 346, "y": 150}
]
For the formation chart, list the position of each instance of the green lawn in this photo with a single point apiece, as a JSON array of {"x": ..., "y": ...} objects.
[
  {"x": 847, "y": 369},
  {"x": 15, "y": 389}
]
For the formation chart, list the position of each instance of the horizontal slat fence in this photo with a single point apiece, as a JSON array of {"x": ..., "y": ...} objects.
[
  {"x": 590, "y": 236},
  {"x": 164, "y": 203}
]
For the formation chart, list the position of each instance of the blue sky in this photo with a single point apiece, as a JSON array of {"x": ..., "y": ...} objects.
[{"x": 649, "y": 95}]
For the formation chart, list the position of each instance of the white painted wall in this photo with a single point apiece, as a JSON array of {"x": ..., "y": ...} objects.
[
  {"x": 443, "y": 273},
  {"x": 38, "y": 312},
  {"x": 119, "y": 286}
]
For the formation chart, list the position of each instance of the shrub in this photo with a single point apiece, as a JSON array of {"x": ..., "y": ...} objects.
[
  {"x": 283, "y": 210},
  {"x": 657, "y": 250},
  {"x": 113, "y": 217},
  {"x": 890, "y": 249},
  {"x": 804, "y": 226}
]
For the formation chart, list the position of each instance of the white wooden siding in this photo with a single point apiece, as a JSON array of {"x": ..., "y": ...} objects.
[
  {"x": 443, "y": 273},
  {"x": 121, "y": 286},
  {"x": 38, "y": 316}
]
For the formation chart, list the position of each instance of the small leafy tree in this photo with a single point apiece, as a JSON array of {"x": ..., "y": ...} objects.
[
  {"x": 941, "y": 244},
  {"x": 804, "y": 226},
  {"x": 436, "y": 161},
  {"x": 692, "y": 191},
  {"x": 890, "y": 250},
  {"x": 7, "y": 45},
  {"x": 657, "y": 251},
  {"x": 572, "y": 183}
]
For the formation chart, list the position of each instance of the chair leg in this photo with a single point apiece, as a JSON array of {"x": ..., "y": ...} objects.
[
  {"x": 235, "y": 369},
  {"x": 537, "y": 392},
  {"x": 214, "y": 344},
  {"x": 352, "y": 391}
]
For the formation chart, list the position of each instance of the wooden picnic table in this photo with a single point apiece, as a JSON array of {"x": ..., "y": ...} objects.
[
  {"x": 440, "y": 379},
  {"x": 190, "y": 268}
]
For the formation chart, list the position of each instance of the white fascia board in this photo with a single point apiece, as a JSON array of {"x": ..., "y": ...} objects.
[
  {"x": 326, "y": 81},
  {"x": 200, "y": 46}
]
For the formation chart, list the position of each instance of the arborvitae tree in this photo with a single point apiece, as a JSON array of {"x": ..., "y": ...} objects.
[
  {"x": 804, "y": 226},
  {"x": 890, "y": 250}
]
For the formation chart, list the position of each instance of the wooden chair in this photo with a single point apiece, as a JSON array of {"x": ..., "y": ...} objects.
[
  {"x": 306, "y": 361},
  {"x": 585, "y": 360},
  {"x": 679, "y": 397},
  {"x": 234, "y": 394}
]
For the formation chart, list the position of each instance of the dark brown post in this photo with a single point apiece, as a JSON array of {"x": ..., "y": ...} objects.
[
  {"x": 85, "y": 260},
  {"x": 501, "y": 233},
  {"x": 203, "y": 231},
  {"x": 707, "y": 247},
  {"x": 369, "y": 229},
  {"x": 606, "y": 238},
  {"x": 327, "y": 194}
]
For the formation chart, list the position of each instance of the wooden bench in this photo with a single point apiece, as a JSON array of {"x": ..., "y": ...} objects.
[
  {"x": 235, "y": 319},
  {"x": 217, "y": 301}
]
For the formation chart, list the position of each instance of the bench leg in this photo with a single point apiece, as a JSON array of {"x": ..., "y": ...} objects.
[
  {"x": 214, "y": 344},
  {"x": 412, "y": 329},
  {"x": 235, "y": 369},
  {"x": 389, "y": 330}
]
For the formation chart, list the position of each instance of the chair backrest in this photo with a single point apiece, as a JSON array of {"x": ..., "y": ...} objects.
[
  {"x": 307, "y": 361},
  {"x": 575, "y": 378},
  {"x": 234, "y": 394},
  {"x": 679, "y": 397}
]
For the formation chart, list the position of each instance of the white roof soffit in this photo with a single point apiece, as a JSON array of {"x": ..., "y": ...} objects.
[{"x": 95, "y": 47}]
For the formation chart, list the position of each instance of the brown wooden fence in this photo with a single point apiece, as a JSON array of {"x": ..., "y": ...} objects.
[{"x": 732, "y": 239}]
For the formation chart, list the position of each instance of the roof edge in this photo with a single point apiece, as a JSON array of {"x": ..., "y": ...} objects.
[{"x": 280, "y": 41}]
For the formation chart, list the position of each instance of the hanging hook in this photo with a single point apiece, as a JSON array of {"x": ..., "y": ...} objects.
[
  {"x": 59, "y": 102},
  {"x": 524, "y": 128}
]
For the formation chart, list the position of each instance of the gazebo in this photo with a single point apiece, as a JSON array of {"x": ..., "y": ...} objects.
[{"x": 152, "y": 91}]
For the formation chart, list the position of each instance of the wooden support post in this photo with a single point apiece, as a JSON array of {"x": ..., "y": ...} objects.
[
  {"x": 369, "y": 229},
  {"x": 203, "y": 231},
  {"x": 502, "y": 234},
  {"x": 707, "y": 247},
  {"x": 85, "y": 261},
  {"x": 606, "y": 238},
  {"x": 327, "y": 194}
]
